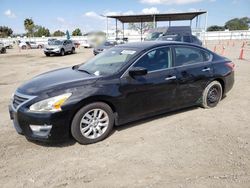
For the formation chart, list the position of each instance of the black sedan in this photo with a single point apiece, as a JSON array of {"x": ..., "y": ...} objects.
[{"x": 123, "y": 84}]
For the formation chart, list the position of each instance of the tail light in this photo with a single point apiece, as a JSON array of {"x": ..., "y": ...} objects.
[{"x": 231, "y": 65}]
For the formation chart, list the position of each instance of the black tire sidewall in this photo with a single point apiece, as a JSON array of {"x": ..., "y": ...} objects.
[
  {"x": 62, "y": 53},
  {"x": 75, "y": 126},
  {"x": 205, "y": 103}
]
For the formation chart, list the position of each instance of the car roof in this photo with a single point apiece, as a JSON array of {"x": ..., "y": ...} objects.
[{"x": 152, "y": 44}]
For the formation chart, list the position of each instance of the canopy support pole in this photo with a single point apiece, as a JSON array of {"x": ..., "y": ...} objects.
[
  {"x": 107, "y": 27},
  {"x": 141, "y": 30},
  {"x": 116, "y": 31},
  {"x": 122, "y": 31}
]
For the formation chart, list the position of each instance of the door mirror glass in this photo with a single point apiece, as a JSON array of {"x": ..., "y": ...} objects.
[{"x": 138, "y": 71}]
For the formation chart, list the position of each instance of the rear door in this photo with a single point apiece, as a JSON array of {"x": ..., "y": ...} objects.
[{"x": 194, "y": 70}]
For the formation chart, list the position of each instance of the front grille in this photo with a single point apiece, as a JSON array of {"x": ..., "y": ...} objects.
[
  {"x": 49, "y": 48},
  {"x": 17, "y": 100}
]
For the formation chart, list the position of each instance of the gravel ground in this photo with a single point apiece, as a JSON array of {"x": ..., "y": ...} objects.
[{"x": 188, "y": 148}]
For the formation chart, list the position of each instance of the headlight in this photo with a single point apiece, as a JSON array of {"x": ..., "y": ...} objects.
[{"x": 50, "y": 105}]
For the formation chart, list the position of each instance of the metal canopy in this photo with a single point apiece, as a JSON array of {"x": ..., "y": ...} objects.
[{"x": 157, "y": 17}]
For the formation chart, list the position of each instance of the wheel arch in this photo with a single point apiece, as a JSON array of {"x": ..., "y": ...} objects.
[
  {"x": 92, "y": 99},
  {"x": 221, "y": 81}
]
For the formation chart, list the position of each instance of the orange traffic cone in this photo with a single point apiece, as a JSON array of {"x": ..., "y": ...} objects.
[{"x": 241, "y": 53}]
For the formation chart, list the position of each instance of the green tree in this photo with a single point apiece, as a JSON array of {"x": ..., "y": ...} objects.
[
  {"x": 77, "y": 32},
  {"x": 216, "y": 28},
  {"x": 5, "y": 31},
  {"x": 41, "y": 31},
  {"x": 141, "y": 28},
  {"x": 29, "y": 26},
  {"x": 238, "y": 24},
  {"x": 58, "y": 33}
]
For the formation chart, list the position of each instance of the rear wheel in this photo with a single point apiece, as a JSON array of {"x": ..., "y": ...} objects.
[
  {"x": 73, "y": 50},
  {"x": 62, "y": 53},
  {"x": 212, "y": 95},
  {"x": 24, "y": 47},
  {"x": 92, "y": 123}
]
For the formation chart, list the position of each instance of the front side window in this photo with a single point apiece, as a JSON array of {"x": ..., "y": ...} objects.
[
  {"x": 155, "y": 60},
  {"x": 189, "y": 55}
]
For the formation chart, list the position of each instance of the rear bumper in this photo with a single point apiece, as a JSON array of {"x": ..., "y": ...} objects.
[
  {"x": 49, "y": 127},
  {"x": 228, "y": 82}
]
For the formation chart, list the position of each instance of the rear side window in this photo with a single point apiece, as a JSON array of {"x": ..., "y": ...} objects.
[
  {"x": 187, "y": 39},
  {"x": 189, "y": 55}
]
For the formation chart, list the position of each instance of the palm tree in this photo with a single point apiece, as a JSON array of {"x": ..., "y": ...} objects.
[{"x": 29, "y": 26}]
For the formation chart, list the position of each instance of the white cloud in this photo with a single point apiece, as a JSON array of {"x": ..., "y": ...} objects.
[
  {"x": 93, "y": 14},
  {"x": 168, "y": 2},
  {"x": 130, "y": 12},
  {"x": 9, "y": 14},
  {"x": 152, "y": 10}
]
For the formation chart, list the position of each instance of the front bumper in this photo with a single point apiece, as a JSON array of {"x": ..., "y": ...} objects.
[
  {"x": 48, "y": 127},
  {"x": 54, "y": 51}
]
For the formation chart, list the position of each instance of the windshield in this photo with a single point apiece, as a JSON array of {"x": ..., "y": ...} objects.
[
  {"x": 153, "y": 36},
  {"x": 55, "y": 42},
  {"x": 108, "y": 62},
  {"x": 169, "y": 38}
]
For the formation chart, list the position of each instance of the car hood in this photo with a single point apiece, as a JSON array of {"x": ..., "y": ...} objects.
[{"x": 59, "y": 79}]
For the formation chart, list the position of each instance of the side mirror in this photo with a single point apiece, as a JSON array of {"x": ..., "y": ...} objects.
[{"x": 138, "y": 71}]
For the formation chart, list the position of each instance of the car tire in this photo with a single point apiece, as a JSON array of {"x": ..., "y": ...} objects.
[
  {"x": 40, "y": 47},
  {"x": 47, "y": 54},
  {"x": 212, "y": 95},
  {"x": 62, "y": 53},
  {"x": 88, "y": 128},
  {"x": 3, "y": 51},
  {"x": 73, "y": 50},
  {"x": 24, "y": 47}
]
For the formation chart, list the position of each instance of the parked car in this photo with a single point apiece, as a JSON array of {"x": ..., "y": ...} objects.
[
  {"x": 30, "y": 45},
  {"x": 86, "y": 44},
  {"x": 7, "y": 44},
  {"x": 104, "y": 46},
  {"x": 173, "y": 33},
  {"x": 185, "y": 38},
  {"x": 60, "y": 47},
  {"x": 123, "y": 84},
  {"x": 2, "y": 48}
]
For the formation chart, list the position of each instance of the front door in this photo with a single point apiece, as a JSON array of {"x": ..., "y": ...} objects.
[{"x": 152, "y": 92}]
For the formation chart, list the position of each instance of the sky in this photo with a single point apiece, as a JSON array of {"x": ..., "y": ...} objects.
[{"x": 86, "y": 14}]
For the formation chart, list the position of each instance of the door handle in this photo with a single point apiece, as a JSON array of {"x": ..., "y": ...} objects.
[
  {"x": 205, "y": 69},
  {"x": 171, "y": 78}
]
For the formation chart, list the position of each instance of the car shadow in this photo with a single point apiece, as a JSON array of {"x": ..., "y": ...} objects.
[
  {"x": 70, "y": 141},
  {"x": 59, "y": 144}
]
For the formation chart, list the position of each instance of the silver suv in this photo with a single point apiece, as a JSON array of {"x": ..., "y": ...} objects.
[{"x": 60, "y": 47}]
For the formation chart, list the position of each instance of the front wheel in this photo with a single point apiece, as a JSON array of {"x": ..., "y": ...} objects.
[
  {"x": 62, "y": 53},
  {"x": 212, "y": 95},
  {"x": 92, "y": 123}
]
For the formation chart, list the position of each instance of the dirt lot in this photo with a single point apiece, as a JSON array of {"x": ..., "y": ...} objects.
[{"x": 189, "y": 148}]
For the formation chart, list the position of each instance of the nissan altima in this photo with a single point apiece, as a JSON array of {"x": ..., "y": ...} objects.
[{"x": 123, "y": 84}]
